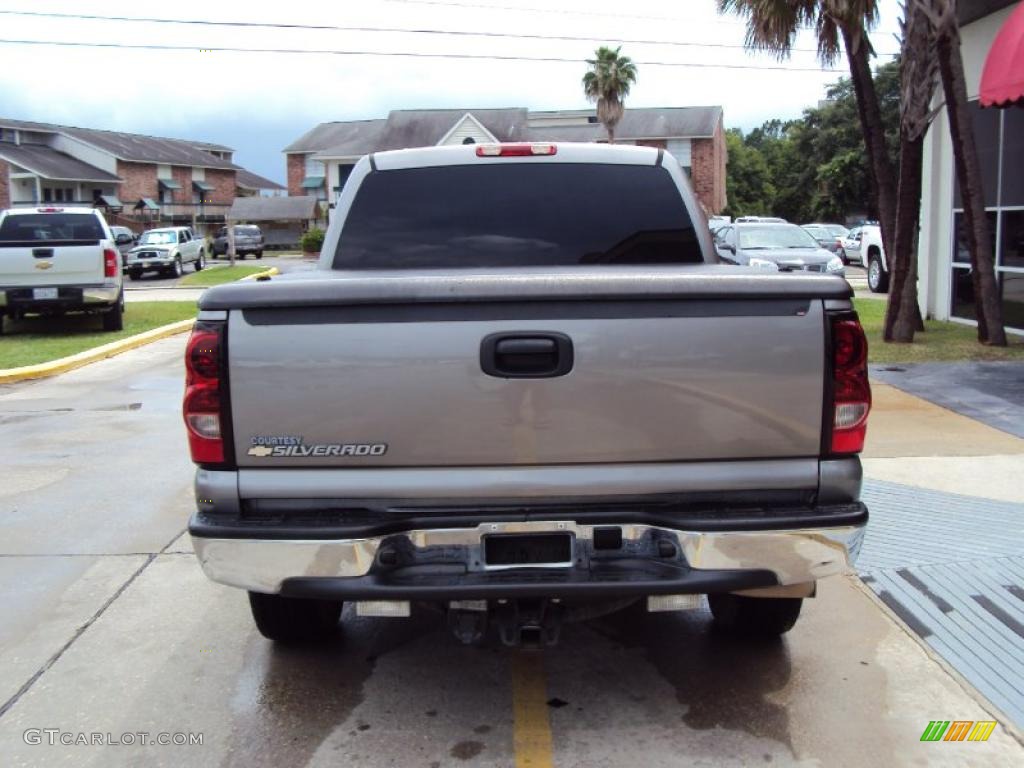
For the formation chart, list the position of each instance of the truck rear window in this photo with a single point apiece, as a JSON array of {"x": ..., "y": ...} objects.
[
  {"x": 519, "y": 214},
  {"x": 49, "y": 227}
]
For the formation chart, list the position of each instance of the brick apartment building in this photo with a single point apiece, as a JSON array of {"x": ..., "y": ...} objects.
[
  {"x": 319, "y": 162},
  {"x": 138, "y": 180}
]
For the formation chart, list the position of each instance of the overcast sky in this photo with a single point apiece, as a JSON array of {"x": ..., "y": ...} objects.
[{"x": 259, "y": 102}]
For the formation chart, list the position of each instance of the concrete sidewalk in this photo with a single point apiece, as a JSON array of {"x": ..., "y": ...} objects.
[{"x": 945, "y": 546}]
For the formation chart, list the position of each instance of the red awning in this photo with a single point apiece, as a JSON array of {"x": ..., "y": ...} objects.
[{"x": 1002, "y": 81}]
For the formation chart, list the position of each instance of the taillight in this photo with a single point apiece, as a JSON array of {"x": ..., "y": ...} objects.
[
  {"x": 515, "y": 150},
  {"x": 111, "y": 262},
  {"x": 851, "y": 392},
  {"x": 203, "y": 405}
]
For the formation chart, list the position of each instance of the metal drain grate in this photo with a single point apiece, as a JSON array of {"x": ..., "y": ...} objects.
[{"x": 952, "y": 567}]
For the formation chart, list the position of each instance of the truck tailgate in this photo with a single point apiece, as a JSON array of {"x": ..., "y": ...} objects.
[
  {"x": 68, "y": 264},
  {"x": 651, "y": 381}
]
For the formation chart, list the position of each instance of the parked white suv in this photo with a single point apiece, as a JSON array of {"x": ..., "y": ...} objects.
[
  {"x": 166, "y": 250},
  {"x": 864, "y": 246},
  {"x": 55, "y": 260}
]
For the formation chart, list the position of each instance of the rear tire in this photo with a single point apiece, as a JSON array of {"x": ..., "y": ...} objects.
[
  {"x": 200, "y": 262},
  {"x": 113, "y": 318},
  {"x": 259, "y": 254},
  {"x": 878, "y": 278},
  {"x": 134, "y": 275},
  {"x": 294, "y": 620},
  {"x": 755, "y": 616}
]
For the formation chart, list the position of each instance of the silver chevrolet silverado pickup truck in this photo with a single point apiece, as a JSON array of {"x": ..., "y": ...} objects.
[{"x": 520, "y": 388}]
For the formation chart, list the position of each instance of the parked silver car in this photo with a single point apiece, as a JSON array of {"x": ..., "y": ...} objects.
[{"x": 775, "y": 247}]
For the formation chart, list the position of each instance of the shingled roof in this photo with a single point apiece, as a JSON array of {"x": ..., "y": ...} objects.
[
  {"x": 407, "y": 128},
  {"x": 329, "y": 135},
  {"x": 249, "y": 180},
  {"x": 136, "y": 147},
  {"x": 51, "y": 164},
  {"x": 297, "y": 208},
  {"x": 636, "y": 123},
  {"x": 149, "y": 149}
]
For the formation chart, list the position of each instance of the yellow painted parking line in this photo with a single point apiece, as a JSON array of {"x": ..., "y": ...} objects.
[{"x": 532, "y": 729}]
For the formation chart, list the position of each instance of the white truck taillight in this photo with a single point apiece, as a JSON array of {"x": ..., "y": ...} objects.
[
  {"x": 851, "y": 392},
  {"x": 203, "y": 405},
  {"x": 111, "y": 262}
]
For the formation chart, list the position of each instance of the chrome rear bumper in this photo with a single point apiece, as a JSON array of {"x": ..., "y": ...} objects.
[{"x": 792, "y": 556}]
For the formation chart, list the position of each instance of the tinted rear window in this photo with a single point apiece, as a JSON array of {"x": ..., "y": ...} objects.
[
  {"x": 50, "y": 227},
  {"x": 519, "y": 214}
]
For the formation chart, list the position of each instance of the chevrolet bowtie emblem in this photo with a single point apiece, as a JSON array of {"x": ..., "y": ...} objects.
[{"x": 44, "y": 264}]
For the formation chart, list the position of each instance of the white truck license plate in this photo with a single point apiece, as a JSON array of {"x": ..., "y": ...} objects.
[{"x": 44, "y": 293}]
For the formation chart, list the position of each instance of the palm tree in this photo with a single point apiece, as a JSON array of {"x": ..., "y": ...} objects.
[
  {"x": 772, "y": 25},
  {"x": 918, "y": 75},
  {"x": 942, "y": 14},
  {"x": 607, "y": 83}
]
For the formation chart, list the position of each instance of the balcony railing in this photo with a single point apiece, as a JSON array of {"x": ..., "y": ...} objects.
[
  {"x": 178, "y": 210},
  {"x": 166, "y": 210}
]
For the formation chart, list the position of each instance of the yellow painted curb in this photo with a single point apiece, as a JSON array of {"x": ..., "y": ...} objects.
[
  {"x": 265, "y": 273},
  {"x": 69, "y": 363}
]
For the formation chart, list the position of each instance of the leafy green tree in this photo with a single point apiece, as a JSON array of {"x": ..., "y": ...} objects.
[
  {"x": 817, "y": 165},
  {"x": 749, "y": 179},
  {"x": 773, "y": 25},
  {"x": 607, "y": 83}
]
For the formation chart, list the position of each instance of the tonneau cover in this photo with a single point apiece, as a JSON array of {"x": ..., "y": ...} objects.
[{"x": 705, "y": 281}]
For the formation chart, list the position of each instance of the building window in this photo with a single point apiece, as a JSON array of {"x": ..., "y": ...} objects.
[
  {"x": 999, "y": 135},
  {"x": 314, "y": 167},
  {"x": 47, "y": 195}
]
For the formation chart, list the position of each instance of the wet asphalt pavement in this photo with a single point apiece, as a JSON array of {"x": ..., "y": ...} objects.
[{"x": 110, "y": 628}]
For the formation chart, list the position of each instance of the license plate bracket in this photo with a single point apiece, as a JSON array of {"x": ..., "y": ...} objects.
[
  {"x": 44, "y": 293},
  {"x": 528, "y": 550}
]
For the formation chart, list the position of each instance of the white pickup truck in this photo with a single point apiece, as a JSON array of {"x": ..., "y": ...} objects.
[{"x": 55, "y": 260}]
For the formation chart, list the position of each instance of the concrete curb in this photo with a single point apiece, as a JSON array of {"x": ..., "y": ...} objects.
[{"x": 64, "y": 364}]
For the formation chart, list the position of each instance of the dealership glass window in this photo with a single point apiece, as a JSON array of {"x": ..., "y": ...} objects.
[
  {"x": 1012, "y": 290},
  {"x": 1012, "y": 192},
  {"x": 961, "y": 254},
  {"x": 985, "y": 123},
  {"x": 999, "y": 135},
  {"x": 962, "y": 290},
  {"x": 1011, "y": 251}
]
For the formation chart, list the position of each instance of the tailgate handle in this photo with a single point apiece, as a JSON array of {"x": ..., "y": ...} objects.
[
  {"x": 526, "y": 355},
  {"x": 43, "y": 253}
]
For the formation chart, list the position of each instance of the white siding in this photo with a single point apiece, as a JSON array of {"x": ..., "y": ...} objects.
[
  {"x": 467, "y": 128},
  {"x": 84, "y": 152},
  {"x": 935, "y": 248},
  {"x": 23, "y": 190},
  {"x": 680, "y": 149},
  {"x": 163, "y": 171},
  {"x": 198, "y": 174},
  {"x": 314, "y": 167}
]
